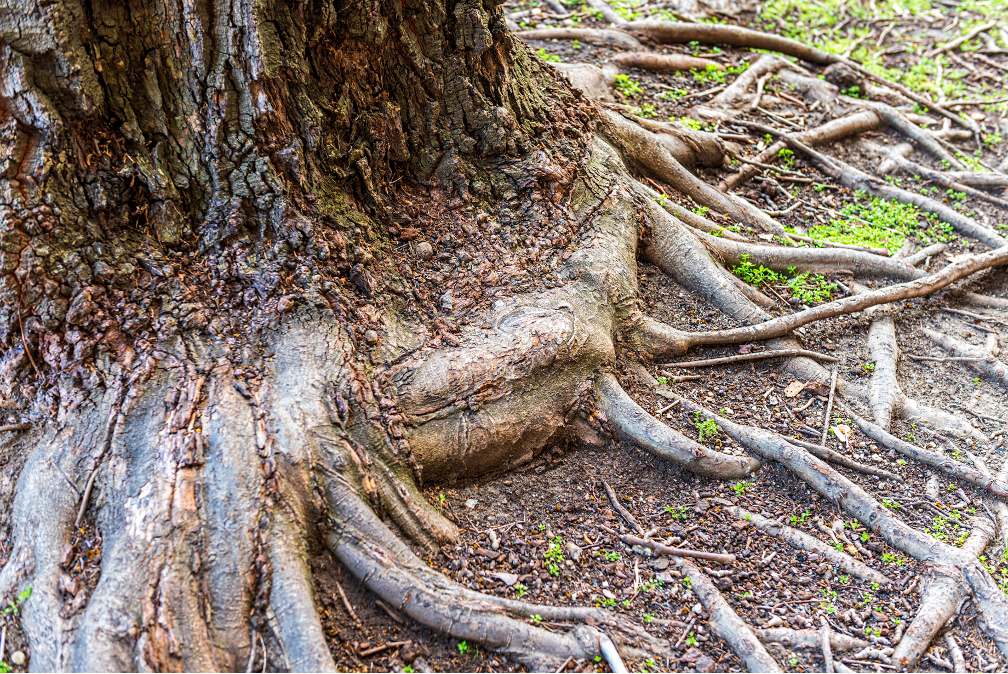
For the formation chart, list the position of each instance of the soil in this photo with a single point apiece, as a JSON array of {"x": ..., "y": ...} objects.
[{"x": 553, "y": 510}]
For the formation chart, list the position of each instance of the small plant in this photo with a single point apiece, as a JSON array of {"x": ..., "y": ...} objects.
[
  {"x": 750, "y": 273},
  {"x": 890, "y": 504},
  {"x": 627, "y": 86},
  {"x": 546, "y": 56},
  {"x": 691, "y": 123},
  {"x": 441, "y": 500},
  {"x": 691, "y": 640},
  {"x": 705, "y": 428},
  {"x": 520, "y": 589},
  {"x": 673, "y": 94},
  {"x": 648, "y": 618},
  {"x": 465, "y": 649},
  {"x": 742, "y": 487},
  {"x": 677, "y": 513},
  {"x": 687, "y": 582},
  {"x": 701, "y": 210},
  {"x": 649, "y": 665},
  {"x": 611, "y": 556},
  {"x": 648, "y": 110},
  {"x": 575, "y": 45},
  {"x": 408, "y": 669},
  {"x": 787, "y": 157},
  {"x": 536, "y": 619},
  {"x": 865, "y": 537},
  {"x": 801, "y": 519},
  {"x": 845, "y": 579},
  {"x": 553, "y": 557}
]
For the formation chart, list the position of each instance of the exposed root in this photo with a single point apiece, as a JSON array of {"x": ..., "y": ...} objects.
[
  {"x": 603, "y": 37},
  {"x": 851, "y": 177},
  {"x": 898, "y": 122},
  {"x": 810, "y": 639},
  {"x": 827, "y": 454},
  {"x": 980, "y": 300},
  {"x": 758, "y": 355},
  {"x": 736, "y": 36},
  {"x": 812, "y": 259},
  {"x": 985, "y": 364},
  {"x": 944, "y": 179},
  {"x": 925, "y": 253},
  {"x": 856, "y": 502},
  {"x": 884, "y": 387},
  {"x": 677, "y": 342},
  {"x": 646, "y": 153},
  {"x": 687, "y": 216},
  {"x": 947, "y": 464},
  {"x": 827, "y": 648},
  {"x": 989, "y": 181},
  {"x": 634, "y": 424},
  {"x": 663, "y": 63},
  {"x": 802, "y": 541},
  {"x": 725, "y": 623},
  {"x": 940, "y": 600}
]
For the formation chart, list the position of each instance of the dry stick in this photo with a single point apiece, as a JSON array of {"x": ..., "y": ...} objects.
[
  {"x": 624, "y": 513},
  {"x": 949, "y": 465},
  {"x": 884, "y": 252},
  {"x": 725, "y": 623},
  {"x": 946, "y": 359},
  {"x": 855, "y": 179},
  {"x": 346, "y": 603},
  {"x": 827, "y": 454},
  {"x": 759, "y": 355},
  {"x": 857, "y": 502},
  {"x": 859, "y": 122},
  {"x": 958, "y": 661},
  {"x": 670, "y": 340},
  {"x": 803, "y": 541},
  {"x": 952, "y": 44},
  {"x": 810, "y": 639},
  {"x": 661, "y": 549},
  {"x": 829, "y": 407},
  {"x": 735, "y": 36},
  {"x": 611, "y": 655},
  {"x": 14, "y": 427},
  {"x": 981, "y": 361},
  {"x": 84, "y": 499}
]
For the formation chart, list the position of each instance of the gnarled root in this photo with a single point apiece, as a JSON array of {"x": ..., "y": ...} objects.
[{"x": 725, "y": 623}]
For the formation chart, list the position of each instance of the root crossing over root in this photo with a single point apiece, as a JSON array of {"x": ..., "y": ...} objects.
[{"x": 725, "y": 623}]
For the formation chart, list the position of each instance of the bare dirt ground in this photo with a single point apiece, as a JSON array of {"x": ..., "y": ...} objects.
[{"x": 541, "y": 533}]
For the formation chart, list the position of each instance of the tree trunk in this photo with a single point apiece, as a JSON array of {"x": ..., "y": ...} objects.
[{"x": 213, "y": 312}]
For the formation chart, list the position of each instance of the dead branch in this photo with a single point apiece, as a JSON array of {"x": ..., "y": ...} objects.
[{"x": 661, "y": 549}]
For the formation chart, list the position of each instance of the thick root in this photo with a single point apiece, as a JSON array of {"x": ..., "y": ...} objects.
[
  {"x": 884, "y": 387},
  {"x": 603, "y": 37},
  {"x": 663, "y": 63},
  {"x": 634, "y": 424},
  {"x": 725, "y": 623},
  {"x": 810, "y": 639}
]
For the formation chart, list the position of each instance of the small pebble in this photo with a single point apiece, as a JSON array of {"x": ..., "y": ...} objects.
[
  {"x": 424, "y": 251},
  {"x": 447, "y": 301},
  {"x": 18, "y": 658},
  {"x": 371, "y": 337}
]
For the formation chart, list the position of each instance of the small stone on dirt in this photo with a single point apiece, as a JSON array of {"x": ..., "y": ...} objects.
[
  {"x": 447, "y": 301},
  {"x": 794, "y": 388},
  {"x": 471, "y": 503},
  {"x": 424, "y": 251},
  {"x": 508, "y": 579},
  {"x": 370, "y": 337},
  {"x": 18, "y": 658}
]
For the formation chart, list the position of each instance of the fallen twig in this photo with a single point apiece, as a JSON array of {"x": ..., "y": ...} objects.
[
  {"x": 829, "y": 407},
  {"x": 624, "y": 513},
  {"x": 662, "y": 549},
  {"x": 346, "y": 603}
]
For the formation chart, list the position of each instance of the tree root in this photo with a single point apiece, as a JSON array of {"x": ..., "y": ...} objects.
[
  {"x": 944, "y": 179},
  {"x": 856, "y": 502},
  {"x": 725, "y": 623},
  {"x": 985, "y": 364},
  {"x": 810, "y": 639},
  {"x": 940, "y": 600},
  {"x": 662, "y": 63},
  {"x": 925, "y": 253},
  {"x": 884, "y": 386},
  {"x": 947, "y": 464},
  {"x": 851, "y": 177},
  {"x": 812, "y": 259},
  {"x": 669, "y": 341},
  {"x": 603, "y": 37},
  {"x": 736, "y": 36},
  {"x": 827, "y": 454},
  {"x": 646, "y": 153},
  {"x": 641, "y": 429},
  {"x": 759, "y": 355},
  {"x": 898, "y": 122},
  {"x": 802, "y": 541}
]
